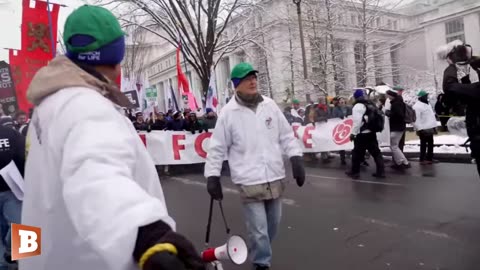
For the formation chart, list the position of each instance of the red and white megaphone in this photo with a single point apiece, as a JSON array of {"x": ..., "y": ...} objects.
[{"x": 234, "y": 250}]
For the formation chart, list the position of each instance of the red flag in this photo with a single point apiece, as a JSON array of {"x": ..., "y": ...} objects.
[
  {"x": 36, "y": 47},
  {"x": 183, "y": 86},
  {"x": 182, "y": 79}
]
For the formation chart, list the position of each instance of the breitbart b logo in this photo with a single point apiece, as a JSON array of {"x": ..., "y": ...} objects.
[{"x": 26, "y": 241}]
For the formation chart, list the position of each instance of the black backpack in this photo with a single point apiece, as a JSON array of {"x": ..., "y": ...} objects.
[{"x": 375, "y": 118}]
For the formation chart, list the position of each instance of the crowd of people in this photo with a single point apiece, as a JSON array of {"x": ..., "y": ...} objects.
[
  {"x": 186, "y": 120},
  {"x": 421, "y": 116}
]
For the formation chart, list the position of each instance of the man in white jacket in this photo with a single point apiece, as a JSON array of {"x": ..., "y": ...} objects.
[
  {"x": 91, "y": 186},
  {"x": 425, "y": 125},
  {"x": 252, "y": 133}
]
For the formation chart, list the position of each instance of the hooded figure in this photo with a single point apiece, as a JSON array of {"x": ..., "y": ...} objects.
[{"x": 90, "y": 184}]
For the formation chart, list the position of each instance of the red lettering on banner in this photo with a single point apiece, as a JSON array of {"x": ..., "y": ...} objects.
[
  {"x": 143, "y": 137},
  {"x": 176, "y": 146},
  {"x": 307, "y": 135},
  {"x": 199, "y": 144},
  {"x": 295, "y": 128}
]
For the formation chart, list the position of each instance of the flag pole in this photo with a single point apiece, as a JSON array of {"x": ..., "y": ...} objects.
[{"x": 50, "y": 24}]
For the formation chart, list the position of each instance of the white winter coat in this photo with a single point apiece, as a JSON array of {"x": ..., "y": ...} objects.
[
  {"x": 253, "y": 142},
  {"x": 90, "y": 183},
  {"x": 425, "y": 116}
]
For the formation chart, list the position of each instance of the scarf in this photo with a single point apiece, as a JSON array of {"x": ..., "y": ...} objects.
[{"x": 249, "y": 101}]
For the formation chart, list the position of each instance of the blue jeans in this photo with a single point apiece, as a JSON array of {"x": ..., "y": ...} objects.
[
  {"x": 263, "y": 219},
  {"x": 10, "y": 212}
]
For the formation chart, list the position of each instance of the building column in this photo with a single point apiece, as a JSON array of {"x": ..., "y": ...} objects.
[
  {"x": 350, "y": 69},
  {"x": 387, "y": 69},
  {"x": 370, "y": 65}
]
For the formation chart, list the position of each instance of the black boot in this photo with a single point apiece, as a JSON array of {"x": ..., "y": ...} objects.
[{"x": 261, "y": 267}]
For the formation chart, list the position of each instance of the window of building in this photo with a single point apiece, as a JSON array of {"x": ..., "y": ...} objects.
[
  {"x": 395, "y": 25},
  {"x": 378, "y": 22},
  {"x": 340, "y": 19},
  {"x": 455, "y": 30},
  {"x": 353, "y": 19},
  {"x": 389, "y": 24},
  {"x": 360, "y": 20}
]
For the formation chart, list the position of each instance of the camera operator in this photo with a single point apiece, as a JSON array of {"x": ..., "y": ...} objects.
[{"x": 458, "y": 87}]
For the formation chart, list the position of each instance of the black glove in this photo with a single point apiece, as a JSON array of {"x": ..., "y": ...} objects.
[
  {"x": 298, "y": 170},
  {"x": 475, "y": 63},
  {"x": 352, "y": 137},
  {"x": 214, "y": 187},
  {"x": 160, "y": 232}
]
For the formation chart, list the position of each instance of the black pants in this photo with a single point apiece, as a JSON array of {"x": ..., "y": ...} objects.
[
  {"x": 401, "y": 145},
  {"x": 362, "y": 143},
  {"x": 426, "y": 147}
]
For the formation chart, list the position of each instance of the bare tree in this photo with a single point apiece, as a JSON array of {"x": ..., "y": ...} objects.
[
  {"x": 202, "y": 27},
  {"x": 369, "y": 14},
  {"x": 326, "y": 50},
  {"x": 136, "y": 54}
]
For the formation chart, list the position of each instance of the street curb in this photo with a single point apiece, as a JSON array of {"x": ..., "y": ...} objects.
[{"x": 443, "y": 157}]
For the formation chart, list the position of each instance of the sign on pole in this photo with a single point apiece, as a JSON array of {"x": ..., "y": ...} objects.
[
  {"x": 133, "y": 97},
  {"x": 8, "y": 97}
]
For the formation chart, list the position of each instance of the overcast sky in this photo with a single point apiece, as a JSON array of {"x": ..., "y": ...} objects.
[{"x": 11, "y": 18}]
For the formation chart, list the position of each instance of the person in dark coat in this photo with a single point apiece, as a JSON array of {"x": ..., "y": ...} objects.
[
  {"x": 194, "y": 124},
  {"x": 140, "y": 123},
  {"x": 210, "y": 119},
  {"x": 12, "y": 148},
  {"x": 469, "y": 93},
  {"x": 157, "y": 122},
  {"x": 398, "y": 126},
  {"x": 442, "y": 111},
  {"x": 177, "y": 123}
]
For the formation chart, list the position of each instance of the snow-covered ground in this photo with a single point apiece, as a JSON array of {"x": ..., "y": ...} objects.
[{"x": 447, "y": 144}]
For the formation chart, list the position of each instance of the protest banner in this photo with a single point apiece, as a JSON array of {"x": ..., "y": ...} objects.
[{"x": 179, "y": 147}]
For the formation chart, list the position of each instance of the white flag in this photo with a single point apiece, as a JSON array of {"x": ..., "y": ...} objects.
[{"x": 212, "y": 100}]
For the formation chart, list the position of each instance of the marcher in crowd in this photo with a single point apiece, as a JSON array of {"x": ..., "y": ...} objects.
[
  {"x": 398, "y": 127},
  {"x": 322, "y": 116},
  {"x": 295, "y": 109},
  {"x": 363, "y": 138},
  {"x": 177, "y": 123},
  {"x": 194, "y": 125},
  {"x": 169, "y": 116},
  {"x": 140, "y": 123},
  {"x": 7, "y": 121},
  {"x": 12, "y": 148},
  {"x": 442, "y": 111},
  {"x": 425, "y": 125},
  {"x": 21, "y": 122},
  {"x": 340, "y": 110},
  {"x": 157, "y": 122},
  {"x": 253, "y": 134},
  {"x": 400, "y": 89},
  {"x": 90, "y": 184},
  {"x": 210, "y": 119},
  {"x": 290, "y": 117}
]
